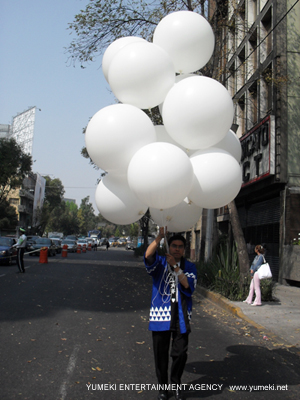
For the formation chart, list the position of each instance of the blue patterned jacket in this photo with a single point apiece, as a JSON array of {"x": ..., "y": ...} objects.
[{"x": 161, "y": 302}]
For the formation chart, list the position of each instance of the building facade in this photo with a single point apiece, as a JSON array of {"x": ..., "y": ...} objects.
[
  {"x": 28, "y": 199},
  {"x": 260, "y": 67}
]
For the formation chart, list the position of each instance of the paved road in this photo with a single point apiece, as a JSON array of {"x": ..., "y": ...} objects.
[{"x": 76, "y": 329}]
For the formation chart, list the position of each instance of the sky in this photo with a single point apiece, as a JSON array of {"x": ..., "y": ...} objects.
[{"x": 34, "y": 71}]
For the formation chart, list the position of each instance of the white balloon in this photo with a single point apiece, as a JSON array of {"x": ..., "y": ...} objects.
[
  {"x": 232, "y": 144},
  {"x": 198, "y": 112},
  {"x": 217, "y": 178},
  {"x": 163, "y": 136},
  {"x": 116, "y": 202},
  {"x": 141, "y": 74},
  {"x": 179, "y": 218},
  {"x": 115, "y": 133},
  {"x": 188, "y": 38},
  {"x": 112, "y": 50},
  {"x": 178, "y": 78},
  {"x": 160, "y": 174}
]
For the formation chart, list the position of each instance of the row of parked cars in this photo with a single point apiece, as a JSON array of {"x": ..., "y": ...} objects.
[
  {"x": 8, "y": 253},
  {"x": 55, "y": 244}
]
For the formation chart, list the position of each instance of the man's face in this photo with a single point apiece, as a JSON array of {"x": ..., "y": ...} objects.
[{"x": 177, "y": 249}]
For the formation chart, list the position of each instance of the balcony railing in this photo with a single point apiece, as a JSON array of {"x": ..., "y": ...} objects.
[{"x": 26, "y": 193}]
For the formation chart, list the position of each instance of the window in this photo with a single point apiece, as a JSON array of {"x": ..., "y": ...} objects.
[
  {"x": 252, "y": 105},
  {"x": 231, "y": 81},
  {"x": 266, "y": 36},
  {"x": 252, "y": 54},
  {"x": 252, "y": 11},
  {"x": 241, "y": 70},
  {"x": 240, "y": 116},
  {"x": 14, "y": 201},
  {"x": 240, "y": 23},
  {"x": 266, "y": 91}
]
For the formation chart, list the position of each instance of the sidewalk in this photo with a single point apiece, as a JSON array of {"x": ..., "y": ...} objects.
[{"x": 280, "y": 318}]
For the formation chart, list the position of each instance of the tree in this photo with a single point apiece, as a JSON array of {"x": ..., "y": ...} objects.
[
  {"x": 86, "y": 216},
  {"x": 240, "y": 241},
  {"x": 8, "y": 216},
  {"x": 54, "y": 192},
  {"x": 69, "y": 223},
  {"x": 134, "y": 230},
  {"x": 46, "y": 216},
  {"x": 14, "y": 166},
  {"x": 104, "y": 21}
]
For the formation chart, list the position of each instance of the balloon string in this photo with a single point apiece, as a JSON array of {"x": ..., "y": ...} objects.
[{"x": 166, "y": 240}]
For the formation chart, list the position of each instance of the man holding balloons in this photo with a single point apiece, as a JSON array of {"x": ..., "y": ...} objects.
[{"x": 174, "y": 281}]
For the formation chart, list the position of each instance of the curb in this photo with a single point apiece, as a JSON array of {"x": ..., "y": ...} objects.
[{"x": 224, "y": 303}]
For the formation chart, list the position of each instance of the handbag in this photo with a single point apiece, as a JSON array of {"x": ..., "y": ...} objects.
[{"x": 264, "y": 271}]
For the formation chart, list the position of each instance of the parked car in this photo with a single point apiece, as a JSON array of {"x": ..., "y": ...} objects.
[
  {"x": 57, "y": 243},
  {"x": 8, "y": 253},
  {"x": 121, "y": 242},
  {"x": 30, "y": 240},
  {"x": 129, "y": 245},
  {"x": 113, "y": 241},
  {"x": 72, "y": 245},
  {"x": 82, "y": 242},
  {"x": 39, "y": 243},
  {"x": 92, "y": 242},
  {"x": 72, "y": 237}
]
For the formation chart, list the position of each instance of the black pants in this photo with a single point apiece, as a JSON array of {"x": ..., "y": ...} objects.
[
  {"x": 179, "y": 347},
  {"x": 20, "y": 261}
]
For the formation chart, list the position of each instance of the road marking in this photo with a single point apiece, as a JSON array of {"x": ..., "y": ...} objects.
[
  {"x": 2, "y": 275},
  {"x": 70, "y": 369}
]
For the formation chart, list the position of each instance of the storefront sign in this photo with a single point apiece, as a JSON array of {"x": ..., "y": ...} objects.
[{"x": 258, "y": 151}]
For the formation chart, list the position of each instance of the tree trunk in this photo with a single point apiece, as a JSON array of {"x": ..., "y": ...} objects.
[
  {"x": 144, "y": 224},
  {"x": 240, "y": 242}
]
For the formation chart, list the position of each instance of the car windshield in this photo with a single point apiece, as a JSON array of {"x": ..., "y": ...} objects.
[
  {"x": 42, "y": 241},
  {"x": 6, "y": 241},
  {"x": 68, "y": 241}
]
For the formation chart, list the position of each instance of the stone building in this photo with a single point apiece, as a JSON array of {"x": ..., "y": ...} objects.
[{"x": 260, "y": 66}]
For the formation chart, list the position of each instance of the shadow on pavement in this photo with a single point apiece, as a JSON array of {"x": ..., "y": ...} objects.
[{"x": 243, "y": 370}]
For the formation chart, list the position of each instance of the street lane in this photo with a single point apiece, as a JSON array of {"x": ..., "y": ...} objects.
[{"x": 77, "y": 328}]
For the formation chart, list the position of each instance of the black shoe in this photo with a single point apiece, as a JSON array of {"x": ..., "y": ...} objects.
[
  {"x": 163, "y": 396},
  {"x": 178, "y": 395}
]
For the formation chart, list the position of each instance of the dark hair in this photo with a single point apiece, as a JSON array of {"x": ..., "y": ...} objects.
[
  {"x": 259, "y": 248},
  {"x": 177, "y": 237}
]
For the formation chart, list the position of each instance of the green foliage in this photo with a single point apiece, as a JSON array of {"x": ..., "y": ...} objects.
[
  {"x": 117, "y": 232},
  {"x": 266, "y": 288},
  {"x": 222, "y": 275},
  {"x": 54, "y": 192},
  {"x": 14, "y": 166},
  {"x": 134, "y": 230},
  {"x": 86, "y": 216},
  {"x": 8, "y": 216}
]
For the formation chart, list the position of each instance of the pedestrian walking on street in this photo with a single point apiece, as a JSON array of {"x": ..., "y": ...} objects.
[
  {"x": 107, "y": 245},
  {"x": 255, "y": 281},
  {"x": 174, "y": 281},
  {"x": 21, "y": 244}
]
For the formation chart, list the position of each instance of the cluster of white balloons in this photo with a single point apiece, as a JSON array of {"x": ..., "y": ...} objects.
[{"x": 188, "y": 163}]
